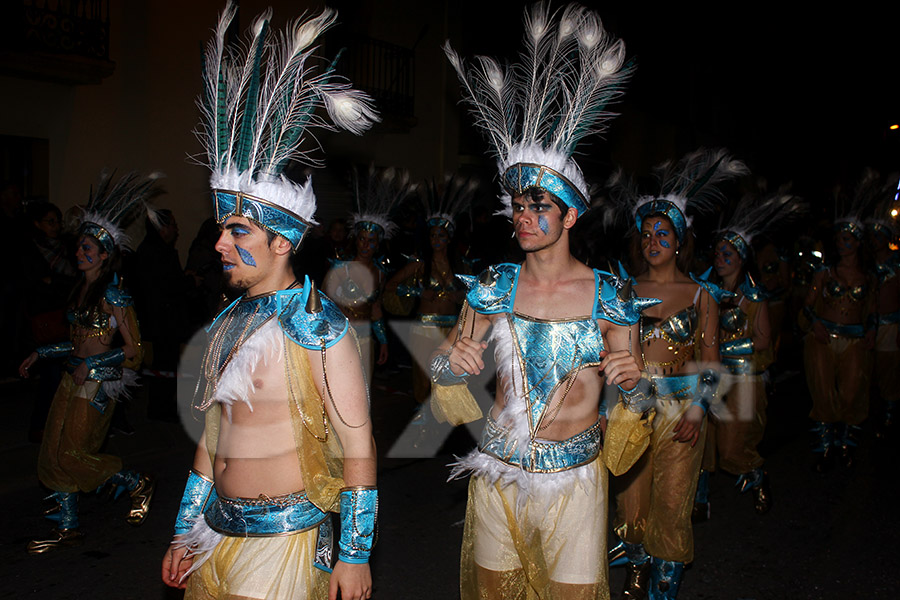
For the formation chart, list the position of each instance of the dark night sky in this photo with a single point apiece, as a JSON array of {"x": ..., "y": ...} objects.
[{"x": 802, "y": 96}]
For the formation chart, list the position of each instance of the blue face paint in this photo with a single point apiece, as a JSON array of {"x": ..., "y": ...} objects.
[
  {"x": 656, "y": 225},
  {"x": 542, "y": 223},
  {"x": 665, "y": 244},
  {"x": 227, "y": 267},
  {"x": 246, "y": 257}
]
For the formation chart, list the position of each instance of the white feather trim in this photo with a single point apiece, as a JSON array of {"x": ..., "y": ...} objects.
[
  {"x": 200, "y": 541},
  {"x": 530, "y": 485},
  {"x": 118, "y": 389},
  {"x": 513, "y": 418},
  {"x": 236, "y": 382},
  {"x": 298, "y": 198},
  {"x": 548, "y": 157}
]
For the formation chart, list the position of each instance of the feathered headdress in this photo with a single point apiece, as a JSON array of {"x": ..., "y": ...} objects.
[
  {"x": 116, "y": 204},
  {"x": 754, "y": 215},
  {"x": 258, "y": 104},
  {"x": 536, "y": 112},
  {"x": 383, "y": 190},
  {"x": 686, "y": 186},
  {"x": 850, "y": 213},
  {"x": 881, "y": 219},
  {"x": 445, "y": 203}
]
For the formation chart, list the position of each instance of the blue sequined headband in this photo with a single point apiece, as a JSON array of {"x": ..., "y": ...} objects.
[
  {"x": 370, "y": 226},
  {"x": 100, "y": 234},
  {"x": 853, "y": 228},
  {"x": 279, "y": 221},
  {"x": 742, "y": 247},
  {"x": 666, "y": 208},
  {"x": 521, "y": 177}
]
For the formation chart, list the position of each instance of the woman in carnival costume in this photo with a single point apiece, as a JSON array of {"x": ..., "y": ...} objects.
[
  {"x": 432, "y": 279},
  {"x": 356, "y": 285},
  {"x": 840, "y": 316},
  {"x": 746, "y": 346},
  {"x": 288, "y": 439},
  {"x": 536, "y": 514},
  {"x": 101, "y": 358},
  {"x": 680, "y": 349},
  {"x": 881, "y": 233}
]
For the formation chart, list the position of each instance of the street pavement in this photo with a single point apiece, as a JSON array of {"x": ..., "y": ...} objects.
[{"x": 827, "y": 536}]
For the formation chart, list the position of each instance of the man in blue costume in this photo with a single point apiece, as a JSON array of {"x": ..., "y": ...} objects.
[
  {"x": 536, "y": 516},
  {"x": 286, "y": 443}
]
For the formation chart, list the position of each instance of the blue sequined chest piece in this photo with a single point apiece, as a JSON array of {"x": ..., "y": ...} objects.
[{"x": 551, "y": 353}]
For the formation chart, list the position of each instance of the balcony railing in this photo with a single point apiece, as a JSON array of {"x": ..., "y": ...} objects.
[{"x": 65, "y": 40}]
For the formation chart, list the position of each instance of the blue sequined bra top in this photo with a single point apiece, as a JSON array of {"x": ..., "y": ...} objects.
[
  {"x": 547, "y": 355},
  {"x": 551, "y": 352}
]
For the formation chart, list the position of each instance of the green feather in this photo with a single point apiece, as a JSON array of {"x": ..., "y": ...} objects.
[{"x": 245, "y": 139}]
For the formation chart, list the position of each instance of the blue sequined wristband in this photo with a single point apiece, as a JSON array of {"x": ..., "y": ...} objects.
[
  {"x": 640, "y": 398},
  {"x": 707, "y": 388},
  {"x": 112, "y": 358},
  {"x": 55, "y": 350},
  {"x": 198, "y": 494},
  {"x": 359, "y": 511},
  {"x": 442, "y": 374},
  {"x": 379, "y": 331}
]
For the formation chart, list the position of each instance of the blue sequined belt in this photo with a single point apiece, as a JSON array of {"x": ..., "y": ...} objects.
[
  {"x": 889, "y": 319},
  {"x": 263, "y": 516},
  {"x": 95, "y": 374},
  {"x": 429, "y": 320},
  {"x": 677, "y": 387},
  {"x": 852, "y": 330},
  {"x": 543, "y": 456}
]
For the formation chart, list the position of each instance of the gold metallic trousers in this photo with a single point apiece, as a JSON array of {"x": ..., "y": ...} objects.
[
  {"x": 837, "y": 374},
  {"x": 550, "y": 545},
  {"x": 69, "y": 460},
  {"x": 655, "y": 497},
  {"x": 738, "y": 426},
  {"x": 274, "y": 568}
]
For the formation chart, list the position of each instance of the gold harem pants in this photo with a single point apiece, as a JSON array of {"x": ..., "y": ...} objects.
[
  {"x": 69, "y": 460},
  {"x": 271, "y": 568},
  {"x": 656, "y": 496},
  {"x": 548, "y": 546},
  {"x": 736, "y": 432},
  {"x": 837, "y": 374}
]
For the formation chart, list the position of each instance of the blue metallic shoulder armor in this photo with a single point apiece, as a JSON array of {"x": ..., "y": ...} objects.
[
  {"x": 752, "y": 291},
  {"x": 494, "y": 291},
  {"x": 117, "y": 295},
  {"x": 614, "y": 300},
  {"x": 717, "y": 293},
  {"x": 309, "y": 317}
]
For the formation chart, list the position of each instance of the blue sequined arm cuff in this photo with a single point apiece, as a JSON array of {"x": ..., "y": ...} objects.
[
  {"x": 640, "y": 398},
  {"x": 55, "y": 350},
  {"x": 198, "y": 494},
  {"x": 359, "y": 510},
  {"x": 739, "y": 347},
  {"x": 707, "y": 387},
  {"x": 112, "y": 358},
  {"x": 442, "y": 374},
  {"x": 379, "y": 331},
  {"x": 408, "y": 290}
]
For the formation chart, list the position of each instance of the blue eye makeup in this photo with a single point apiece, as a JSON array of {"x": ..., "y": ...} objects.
[
  {"x": 240, "y": 231},
  {"x": 246, "y": 257}
]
